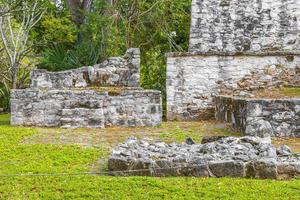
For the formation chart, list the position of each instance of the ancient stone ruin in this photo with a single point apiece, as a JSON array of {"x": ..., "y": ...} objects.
[
  {"x": 260, "y": 117},
  {"x": 107, "y": 94},
  {"x": 235, "y": 47},
  {"x": 251, "y": 157}
]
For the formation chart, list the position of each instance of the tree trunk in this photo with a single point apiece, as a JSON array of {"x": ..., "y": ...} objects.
[
  {"x": 78, "y": 10},
  {"x": 14, "y": 72},
  {"x": 110, "y": 2},
  {"x": 14, "y": 81}
]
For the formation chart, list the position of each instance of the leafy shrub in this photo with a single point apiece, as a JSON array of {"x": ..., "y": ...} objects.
[
  {"x": 5, "y": 97},
  {"x": 58, "y": 58}
]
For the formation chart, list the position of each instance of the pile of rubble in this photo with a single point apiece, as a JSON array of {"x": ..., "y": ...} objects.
[
  {"x": 271, "y": 77},
  {"x": 221, "y": 157}
]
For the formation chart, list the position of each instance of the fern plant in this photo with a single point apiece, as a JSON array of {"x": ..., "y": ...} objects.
[
  {"x": 58, "y": 58},
  {"x": 55, "y": 58}
]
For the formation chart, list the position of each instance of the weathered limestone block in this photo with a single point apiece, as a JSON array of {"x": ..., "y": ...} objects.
[
  {"x": 85, "y": 108},
  {"x": 82, "y": 117},
  {"x": 251, "y": 157},
  {"x": 260, "y": 117},
  {"x": 239, "y": 26},
  {"x": 116, "y": 71},
  {"x": 286, "y": 170},
  {"x": 227, "y": 168},
  {"x": 265, "y": 169}
]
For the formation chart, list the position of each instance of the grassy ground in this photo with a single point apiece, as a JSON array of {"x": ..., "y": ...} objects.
[
  {"x": 278, "y": 93},
  {"x": 39, "y": 150}
]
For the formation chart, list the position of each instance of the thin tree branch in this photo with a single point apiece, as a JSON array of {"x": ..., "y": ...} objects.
[{"x": 15, "y": 41}]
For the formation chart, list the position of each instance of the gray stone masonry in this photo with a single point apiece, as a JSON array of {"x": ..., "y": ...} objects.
[
  {"x": 260, "y": 117},
  {"x": 104, "y": 95},
  {"x": 194, "y": 80},
  {"x": 85, "y": 108},
  {"x": 116, "y": 71},
  {"x": 229, "y": 41},
  {"x": 245, "y": 25},
  {"x": 225, "y": 157}
]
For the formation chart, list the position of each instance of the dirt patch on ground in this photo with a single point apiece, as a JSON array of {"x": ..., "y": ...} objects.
[
  {"x": 110, "y": 137},
  {"x": 168, "y": 132},
  {"x": 294, "y": 143}
]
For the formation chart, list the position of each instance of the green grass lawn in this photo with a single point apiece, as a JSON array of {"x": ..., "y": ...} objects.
[{"x": 38, "y": 151}]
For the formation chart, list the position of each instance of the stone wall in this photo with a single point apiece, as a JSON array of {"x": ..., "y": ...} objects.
[
  {"x": 272, "y": 77},
  {"x": 261, "y": 117},
  {"x": 229, "y": 41},
  {"x": 226, "y": 157},
  {"x": 193, "y": 80},
  {"x": 107, "y": 94},
  {"x": 245, "y": 25},
  {"x": 85, "y": 108},
  {"x": 116, "y": 71}
]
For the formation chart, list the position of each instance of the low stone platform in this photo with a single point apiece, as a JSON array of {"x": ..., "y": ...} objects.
[
  {"x": 260, "y": 117},
  {"x": 251, "y": 157},
  {"x": 85, "y": 108}
]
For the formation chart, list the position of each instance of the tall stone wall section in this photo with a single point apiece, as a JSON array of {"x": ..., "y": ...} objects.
[
  {"x": 116, "y": 71},
  {"x": 261, "y": 117},
  {"x": 194, "y": 80},
  {"x": 230, "y": 40},
  {"x": 245, "y": 25}
]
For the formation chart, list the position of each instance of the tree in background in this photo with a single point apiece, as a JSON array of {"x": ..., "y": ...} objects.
[
  {"x": 80, "y": 36},
  {"x": 156, "y": 27},
  {"x": 86, "y": 32},
  {"x": 79, "y": 10},
  {"x": 14, "y": 33},
  {"x": 12, "y": 8}
]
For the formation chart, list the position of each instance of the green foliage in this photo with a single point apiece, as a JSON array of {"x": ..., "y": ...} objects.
[
  {"x": 157, "y": 27},
  {"x": 58, "y": 58},
  {"x": 67, "y": 53},
  {"x": 55, "y": 27},
  {"x": 5, "y": 96},
  {"x": 54, "y": 59},
  {"x": 153, "y": 72},
  {"x": 59, "y": 30}
]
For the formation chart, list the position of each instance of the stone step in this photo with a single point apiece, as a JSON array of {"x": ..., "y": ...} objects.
[{"x": 81, "y": 117}]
